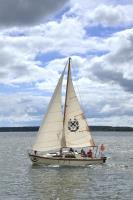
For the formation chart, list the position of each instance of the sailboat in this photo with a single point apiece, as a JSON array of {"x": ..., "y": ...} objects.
[{"x": 64, "y": 132}]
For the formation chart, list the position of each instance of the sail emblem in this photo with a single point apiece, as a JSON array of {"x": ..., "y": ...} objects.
[{"x": 73, "y": 125}]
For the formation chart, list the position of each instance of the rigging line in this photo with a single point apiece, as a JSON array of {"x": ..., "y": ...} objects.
[
  {"x": 76, "y": 85},
  {"x": 81, "y": 104}
]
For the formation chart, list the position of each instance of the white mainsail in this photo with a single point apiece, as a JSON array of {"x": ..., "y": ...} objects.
[
  {"x": 50, "y": 132},
  {"x": 70, "y": 130},
  {"x": 76, "y": 131}
]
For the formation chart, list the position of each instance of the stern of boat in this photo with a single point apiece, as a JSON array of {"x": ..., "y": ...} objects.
[{"x": 33, "y": 158}]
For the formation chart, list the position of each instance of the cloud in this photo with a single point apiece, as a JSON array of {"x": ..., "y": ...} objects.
[
  {"x": 33, "y": 55},
  {"x": 104, "y": 13},
  {"x": 19, "y": 12},
  {"x": 102, "y": 103},
  {"x": 113, "y": 77},
  {"x": 121, "y": 55},
  {"x": 23, "y": 108},
  {"x": 115, "y": 66},
  {"x": 18, "y": 53},
  {"x": 108, "y": 15}
]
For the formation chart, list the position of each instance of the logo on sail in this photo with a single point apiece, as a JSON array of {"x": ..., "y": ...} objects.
[{"x": 73, "y": 125}]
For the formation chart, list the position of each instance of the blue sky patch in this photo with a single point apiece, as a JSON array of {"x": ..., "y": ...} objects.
[
  {"x": 100, "y": 31},
  {"x": 47, "y": 57}
]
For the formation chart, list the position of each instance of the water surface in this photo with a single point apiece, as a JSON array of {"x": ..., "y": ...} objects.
[{"x": 21, "y": 180}]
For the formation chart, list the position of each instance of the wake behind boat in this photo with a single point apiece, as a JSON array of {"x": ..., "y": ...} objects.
[{"x": 64, "y": 136}]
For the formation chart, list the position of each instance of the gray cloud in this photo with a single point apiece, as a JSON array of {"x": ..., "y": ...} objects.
[
  {"x": 107, "y": 15},
  {"x": 23, "y": 108},
  {"x": 110, "y": 15},
  {"x": 19, "y": 12},
  {"x": 116, "y": 66},
  {"x": 112, "y": 76},
  {"x": 124, "y": 53}
]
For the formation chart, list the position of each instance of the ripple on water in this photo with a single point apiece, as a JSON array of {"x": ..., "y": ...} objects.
[{"x": 20, "y": 180}]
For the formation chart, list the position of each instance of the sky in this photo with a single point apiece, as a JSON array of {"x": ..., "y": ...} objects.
[{"x": 36, "y": 39}]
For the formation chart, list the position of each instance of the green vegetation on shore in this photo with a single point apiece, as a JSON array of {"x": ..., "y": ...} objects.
[{"x": 92, "y": 128}]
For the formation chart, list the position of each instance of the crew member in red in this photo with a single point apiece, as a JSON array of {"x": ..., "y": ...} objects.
[{"x": 89, "y": 153}]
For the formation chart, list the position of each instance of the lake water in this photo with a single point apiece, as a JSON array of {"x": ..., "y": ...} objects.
[{"x": 20, "y": 180}]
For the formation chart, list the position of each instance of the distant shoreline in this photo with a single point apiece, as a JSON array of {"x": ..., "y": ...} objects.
[{"x": 92, "y": 128}]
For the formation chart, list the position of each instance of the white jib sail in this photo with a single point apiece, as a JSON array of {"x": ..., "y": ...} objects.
[
  {"x": 76, "y": 129},
  {"x": 50, "y": 132}
]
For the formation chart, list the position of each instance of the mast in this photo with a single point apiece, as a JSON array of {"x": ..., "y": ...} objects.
[{"x": 65, "y": 106}]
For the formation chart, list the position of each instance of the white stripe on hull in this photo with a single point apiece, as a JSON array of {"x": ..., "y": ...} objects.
[{"x": 65, "y": 161}]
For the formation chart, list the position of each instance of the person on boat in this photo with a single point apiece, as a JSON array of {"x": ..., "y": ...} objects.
[
  {"x": 35, "y": 152},
  {"x": 102, "y": 147},
  {"x": 89, "y": 153},
  {"x": 83, "y": 154},
  {"x": 71, "y": 150},
  {"x": 102, "y": 155},
  {"x": 101, "y": 151}
]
